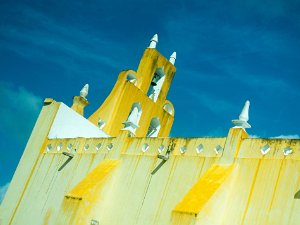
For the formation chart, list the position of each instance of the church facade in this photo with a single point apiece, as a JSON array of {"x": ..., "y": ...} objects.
[{"x": 119, "y": 166}]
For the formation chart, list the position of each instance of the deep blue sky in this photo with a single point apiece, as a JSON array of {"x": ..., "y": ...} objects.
[{"x": 227, "y": 52}]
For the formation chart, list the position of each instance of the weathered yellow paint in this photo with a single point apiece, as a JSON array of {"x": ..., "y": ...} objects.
[
  {"x": 239, "y": 185},
  {"x": 183, "y": 218},
  {"x": 232, "y": 145},
  {"x": 92, "y": 179},
  {"x": 79, "y": 203},
  {"x": 202, "y": 191},
  {"x": 47, "y": 217},
  {"x": 28, "y": 161},
  {"x": 117, "y": 106},
  {"x": 131, "y": 195}
]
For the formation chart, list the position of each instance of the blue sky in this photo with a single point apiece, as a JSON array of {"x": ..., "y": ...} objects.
[{"x": 227, "y": 52}]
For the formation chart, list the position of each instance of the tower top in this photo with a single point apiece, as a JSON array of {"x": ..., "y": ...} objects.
[
  {"x": 173, "y": 58},
  {"x": 244, "y": 117},
  {"x": 84, "y": 91},
  {"x": 153, "y": 41}
]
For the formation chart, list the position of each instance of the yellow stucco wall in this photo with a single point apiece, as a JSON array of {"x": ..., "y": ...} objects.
[
  {"x": 109, "y": 180},
  {"x": 256, "y": 190}
]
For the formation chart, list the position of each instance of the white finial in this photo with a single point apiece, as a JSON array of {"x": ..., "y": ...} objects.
[
  {"x": 244, "y": 117},
  {"x": 84, "y": 91},
  {"x": 153, "y": 41},
  {"x": 173, "y": 58},
  {"x": 245, "y": 112}
]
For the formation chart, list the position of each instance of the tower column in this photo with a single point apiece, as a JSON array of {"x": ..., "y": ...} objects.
[
  {"x": 236, "y": 135},
  {"x": 232, "y": 144},
  {"x": 79, "y": 103}
]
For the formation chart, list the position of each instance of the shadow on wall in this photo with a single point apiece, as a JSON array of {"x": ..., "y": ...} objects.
[
  {"x": 297, "y": 195},
  {"x": 3, "y": 190}
]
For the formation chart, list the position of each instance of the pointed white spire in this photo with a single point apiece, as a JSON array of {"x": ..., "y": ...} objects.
[
  {"x": 153, "y": 41},
  {"x": 245, "y": 112},
  {"x": 244, "y": 117},
  {"x": 84, "y": 91},
  {"x": 173, "y": 58}
]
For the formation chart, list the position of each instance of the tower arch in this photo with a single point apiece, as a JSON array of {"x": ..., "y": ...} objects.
[
  {"x": 154, "y": 127},
  {"x": 132, "y": 122}
]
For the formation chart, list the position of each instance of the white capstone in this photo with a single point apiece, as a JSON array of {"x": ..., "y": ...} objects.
[
  {"x": 84, "y": 91},
  {"x": 244, "y": 117},
  {"x": 173, "y": 58},
  {"x": 153, "y": 41}
]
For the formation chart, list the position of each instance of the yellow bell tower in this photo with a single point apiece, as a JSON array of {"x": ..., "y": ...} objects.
[{"x": 138, "y": 102}]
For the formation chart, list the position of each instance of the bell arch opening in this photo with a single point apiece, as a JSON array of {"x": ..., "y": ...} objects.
[
  {"x": 154, "y": 127},
  {"x": 132, "y": 122},
  {"x": 156, "y": 84}
]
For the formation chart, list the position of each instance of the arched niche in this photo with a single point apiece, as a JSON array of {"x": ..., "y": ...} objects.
[
  {"x": 132, "y": 122},
  {"x": 156, "y": 83},
  {"x": 169, "y": 108},
  {"x": 131, "y": 78},
  {"x": 154, "y": 127}
]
